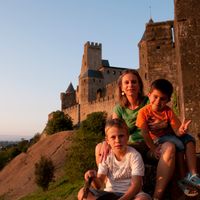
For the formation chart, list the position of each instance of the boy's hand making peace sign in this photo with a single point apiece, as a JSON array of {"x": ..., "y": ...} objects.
[{"x": 184, "y": 127}]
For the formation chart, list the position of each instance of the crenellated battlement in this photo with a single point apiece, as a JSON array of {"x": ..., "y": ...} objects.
[
  {"x": 164, "y": 23},
  {"x": 93, "y": 45},
  {"x": 103, "y": 104},
  {"x": 102, "y": 99}
]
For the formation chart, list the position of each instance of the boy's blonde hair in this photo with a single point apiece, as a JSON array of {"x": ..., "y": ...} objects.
[{"x": 119, "y": 123}]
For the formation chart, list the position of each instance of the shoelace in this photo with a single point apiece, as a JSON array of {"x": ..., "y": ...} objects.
[{"x": 194, "y": 177}]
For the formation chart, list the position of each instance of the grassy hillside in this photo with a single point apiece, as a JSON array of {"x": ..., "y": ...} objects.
[{"x": 59, "y": 190}]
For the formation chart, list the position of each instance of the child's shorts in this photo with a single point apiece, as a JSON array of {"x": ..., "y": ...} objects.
[
  {"x": 113, "y": 195},
  {"x": 179, "y": 142}
]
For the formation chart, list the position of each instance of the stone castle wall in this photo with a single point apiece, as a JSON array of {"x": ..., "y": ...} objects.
[
  {"x": 73, "y": 112},
  {"x": 79, "y": 112},
  {"x": 187, "y": 36},
  {"x": 157, "y": 53},
  {"x": 103, "y": 104}
]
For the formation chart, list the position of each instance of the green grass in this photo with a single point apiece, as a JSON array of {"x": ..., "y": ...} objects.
[{"x": 59, "y": 190}]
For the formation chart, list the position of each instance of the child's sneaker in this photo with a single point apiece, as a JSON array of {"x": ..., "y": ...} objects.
[
  {"x": 193, "y": 180},
  {"x": 191, "y": 192}
]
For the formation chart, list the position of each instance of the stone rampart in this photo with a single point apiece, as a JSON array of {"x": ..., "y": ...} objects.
[
  {"x": 79, "y": 112},
  {"x": 73, "y": 112},
  {"x": 103, "y": 104}
]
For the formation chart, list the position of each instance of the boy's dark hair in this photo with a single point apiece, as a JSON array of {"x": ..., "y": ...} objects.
[
  {"x": 119, "y": 123},
  {"x": 163, "y": 86}
]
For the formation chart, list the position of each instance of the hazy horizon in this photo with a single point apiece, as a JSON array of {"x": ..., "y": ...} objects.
[{"x": 14, "y": 137}]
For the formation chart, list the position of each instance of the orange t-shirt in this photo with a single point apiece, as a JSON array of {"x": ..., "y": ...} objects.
[{"x": 166, "y": 118}]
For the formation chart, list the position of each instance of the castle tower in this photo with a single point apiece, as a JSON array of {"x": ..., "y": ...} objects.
[
  {"x": 92, "y": 57},
  {"x": 187, "y": 29},
  {"x": 68, "y": 98},
  {"x": 90, "y": 79},
  {"x": 157, "y": 53}
]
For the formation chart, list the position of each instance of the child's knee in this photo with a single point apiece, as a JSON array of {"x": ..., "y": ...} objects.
[
  {"x": 80, "y": 194},
  {"x": 169, "y": 147},
  {"x": 142, "y": 196},
  {"x": 191, "y": 144}
]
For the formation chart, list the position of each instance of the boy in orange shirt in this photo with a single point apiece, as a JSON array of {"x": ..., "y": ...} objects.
[{"x": 157, "y": 112}]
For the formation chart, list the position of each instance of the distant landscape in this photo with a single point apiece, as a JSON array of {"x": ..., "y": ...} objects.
[
  {"x": 14, "y": 137},
  {"x": 7, "y": 143}
]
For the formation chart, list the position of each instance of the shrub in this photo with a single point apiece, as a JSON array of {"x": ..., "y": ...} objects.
[
  {"x": 4, "y": 157},
  {"x": 23, "y": 145},
  {"x": 94, "y": 123},
  {"x": 58, "y": 122},
  {"x": 175, "y": 103},
  {"x": 35, "y": 138},
  {"x": 44, "y": 172}
]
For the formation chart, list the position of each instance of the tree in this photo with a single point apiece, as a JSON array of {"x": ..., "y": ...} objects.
[
  {"x": 94, "y": 123},
  {"x": 58, "y": 122},
  {"x": 35, "y": 138},
  {"x": 44, "y": 172},
  {"x": 4, "y": 157},
  {"x": 23, "y": 145}
]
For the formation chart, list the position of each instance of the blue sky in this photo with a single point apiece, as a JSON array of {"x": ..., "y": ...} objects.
[{"x": 41, "y": 47}]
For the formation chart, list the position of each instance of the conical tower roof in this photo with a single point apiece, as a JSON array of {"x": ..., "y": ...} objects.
[
  {"x": 150, "y": 21},
  {"x": 70, "y": 89}
]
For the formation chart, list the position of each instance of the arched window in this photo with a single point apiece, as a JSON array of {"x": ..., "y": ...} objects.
[{"x": 99, "y": 93}]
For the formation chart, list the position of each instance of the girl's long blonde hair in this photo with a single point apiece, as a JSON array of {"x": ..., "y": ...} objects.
[{"x": 122, "y": 99}]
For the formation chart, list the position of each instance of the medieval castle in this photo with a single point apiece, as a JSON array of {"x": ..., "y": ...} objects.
[{"x": 169, "y": 49}]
